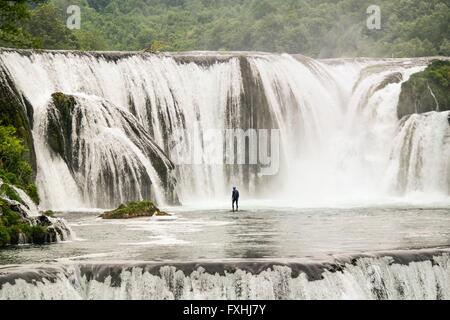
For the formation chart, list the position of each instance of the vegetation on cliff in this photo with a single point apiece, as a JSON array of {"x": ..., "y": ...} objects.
[
  {"x": 17, "y": 228},
  {"x": 34, "y": 24},
  {"x": 14, "y": 169},
  {"x": 134, "y": 210},
  {"x": 17, "y": 224},
  {"x": 427, "y": 90}
]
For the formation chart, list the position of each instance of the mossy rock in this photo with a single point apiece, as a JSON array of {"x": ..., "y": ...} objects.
[
  {"x": 15, "y": 228},
  {"x": 48, "y": 213},
  {"x": 63, "y": 102},
  {"x": 19, "y": 234},
  {"x": 161, "y": 214},
  {"x": 9, "y": 216},
  {"x": 426, "y": 91},
  {"x": 59, "y": 119},
  {"x": 395, "y": 77},
  {"x": 4, "y": 236},
  {"x": 39, "y": 235},
  {"x": 9, "y": 192},
  {"x": 134, "y": 210}
]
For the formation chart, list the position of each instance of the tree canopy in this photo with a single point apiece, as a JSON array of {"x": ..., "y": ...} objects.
[{"x": 317, "y": 28}]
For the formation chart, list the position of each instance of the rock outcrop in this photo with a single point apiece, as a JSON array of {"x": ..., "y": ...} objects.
[
  {"x": 426, "y": 91},
  {"x": 134, "y": 210},
  {"x": 18, "y": 226}
]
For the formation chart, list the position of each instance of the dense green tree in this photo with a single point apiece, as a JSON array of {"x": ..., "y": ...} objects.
[
  {"x": 46, "y": 23},
  {"x": 13, "y": 168},
  {"x": 12, "y": 16},
  {"x": 318, "y": 28}
]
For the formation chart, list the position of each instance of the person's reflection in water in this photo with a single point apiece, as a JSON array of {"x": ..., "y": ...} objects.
[{"x": 252, "y": 234}]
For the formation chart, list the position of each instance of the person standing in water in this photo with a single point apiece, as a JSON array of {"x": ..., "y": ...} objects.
[{"x": 235, "y": 198}]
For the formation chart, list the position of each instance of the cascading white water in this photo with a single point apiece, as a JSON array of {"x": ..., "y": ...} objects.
[
  {"x": 337, "y": 119},
  {"x": 163, "y": 94},
  {"x": 29, "y": 206},
  {"x": 368, "y": 278},
  {"x": 422, "y": 154},
  {"x": 26, "y": 204},
  {"x": 110, "y": 155},
  {"x": 337, "y": 123}
]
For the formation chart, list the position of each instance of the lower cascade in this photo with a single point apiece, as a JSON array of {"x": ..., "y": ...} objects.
[{"x": 364, "y": 278}]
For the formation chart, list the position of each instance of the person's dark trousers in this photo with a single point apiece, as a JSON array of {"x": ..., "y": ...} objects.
[{"x": 237, "y": 205}]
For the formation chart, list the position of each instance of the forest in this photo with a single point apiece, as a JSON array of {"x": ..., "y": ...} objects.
[{"x": 316, "y": 28}]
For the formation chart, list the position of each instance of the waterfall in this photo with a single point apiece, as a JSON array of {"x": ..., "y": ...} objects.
[
  {"x": 161, "y": 93},
  {"x": 421, "y": 157},
  {"x": 111, "y": 156},
  {"x": 340, "y": 139},
  {"x": 365, "y": 278}
]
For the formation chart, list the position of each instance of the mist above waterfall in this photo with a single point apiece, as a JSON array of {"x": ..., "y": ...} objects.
[{"x": 340, "y": 139}]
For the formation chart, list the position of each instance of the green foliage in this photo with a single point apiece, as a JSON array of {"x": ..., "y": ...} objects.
[
  {"x": 317, "y": 28},
  {"x": 427, "y": 90},
  {"x": 13, "y": 168},
  {"x": 439, "y": 72},
  {"x": 47, "y": 24},
  {"x": 34, "y": 24},
  {"x": 11, "y": 153},
  {"x": 32, "y": 191},
  {"x": 48, "y": 213},
  {"x": 9, "y": 192},
  {"x": 39, "y": 234},
  {"x": 156, "y": 46},
  {"x": 436, "y": 77},
  {"x": 9, "y": 218},
  {"x": 10, "y": 224},
  {"x": 90, "y": 40},
  {"x": 13, "y": 14},
  {"x": 4, "y": 236},
  {"x": 13, "y": 226}
]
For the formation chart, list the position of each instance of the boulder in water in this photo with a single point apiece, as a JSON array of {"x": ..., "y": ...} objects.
[{"x": 134, "y": 210}]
